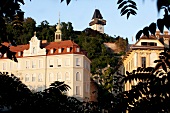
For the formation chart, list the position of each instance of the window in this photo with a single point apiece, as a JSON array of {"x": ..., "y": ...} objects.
[
  {"x": 67, "y": 62},
  {"x": 67, "y": 76},
  {"x": 143, "y": 61},
  {"x": 59, "y": 50},
  {"x": 58, "y": 76},
  {"x": 77, "y": 90},
  {"x": 33, "y": 50},
  {"x": 51, "y": 77},
  {"x": 33, "y": 77},
  {"x": 149, "y": 43},
  {"x": 77, "y": 49},
  {"x": 77, "y": 61},
  {"x": 40, "y": 64},
  {"x": 78, "y": 78},
  {"x": 51, "y": 63},
  {"x": 10, "y": 65},
  {"x": 68, "y": 49},
  {"x": 33, "y": 64},
  {"x": 40, "y": 78},
  {"x": 51, "y": 51},
  {"x": 19, "y": 53},
  {"x": 39, "y": 88},
  {"x": 58, "y": 62},
  {"x": 4, "y": 66},
  {"x": 144, "y": 43},
  {"x": 27, "y": 64},
  {"x": 27, "y": 77}
]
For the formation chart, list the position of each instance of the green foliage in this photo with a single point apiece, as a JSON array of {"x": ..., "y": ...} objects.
[{"x": 93, "y": 43}]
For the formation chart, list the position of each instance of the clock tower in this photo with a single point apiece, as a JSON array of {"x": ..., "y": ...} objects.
[{"x": 97, "y": 22}]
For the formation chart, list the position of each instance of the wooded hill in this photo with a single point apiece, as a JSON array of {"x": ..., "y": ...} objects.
[{"x": 88, "y": 39}]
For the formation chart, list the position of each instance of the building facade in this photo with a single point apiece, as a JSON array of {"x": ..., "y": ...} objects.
[
  {"x": 40, "y": 63},
  {"x": 143, "y": 54}
]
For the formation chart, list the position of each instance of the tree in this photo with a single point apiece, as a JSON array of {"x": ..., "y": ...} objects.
[
  {"x": 12, "y": 91},
  {"x": 8, "y": 10}
]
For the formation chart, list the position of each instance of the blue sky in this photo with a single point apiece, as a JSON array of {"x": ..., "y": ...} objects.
[{"x": 80, "y": 12}]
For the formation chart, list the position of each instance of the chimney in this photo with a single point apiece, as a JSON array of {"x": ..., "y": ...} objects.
[
  {"x": 157, "y": 34},
  {"x": 165, "y": 32},
  {"x": 44, "y": 41}
]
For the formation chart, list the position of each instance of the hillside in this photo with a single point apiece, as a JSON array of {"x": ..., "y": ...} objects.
[{"x": 88, "y": 39}]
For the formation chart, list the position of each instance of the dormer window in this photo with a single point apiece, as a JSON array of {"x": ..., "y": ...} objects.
[
  {"x": 19, "y": 53},
  {"x": 78, "y": 49},
  {"x": 51, "y": 51},
  {"x": 148, "y": 44},
  {"x": 68, "y": 49},
  {"x": 59, "y": 50}
]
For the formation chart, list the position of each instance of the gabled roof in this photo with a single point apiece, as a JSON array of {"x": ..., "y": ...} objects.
[{"x": 97, "y": 14}]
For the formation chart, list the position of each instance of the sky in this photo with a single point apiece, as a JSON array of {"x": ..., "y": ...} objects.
[{"x": 80, "y": 12}]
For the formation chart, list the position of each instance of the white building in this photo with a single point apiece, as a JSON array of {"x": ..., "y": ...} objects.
[{"x": 41, "y": 63}]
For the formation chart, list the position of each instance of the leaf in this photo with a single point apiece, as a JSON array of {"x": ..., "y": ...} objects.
[
  {"x": 128, "y": 14},
  {"x": 132, "y": 11},
  {"x": 152, "y": 28},
  {"x": 164, "y": 67},
  {"x": 119, "y": 1},
  {"x": 68, "y": 1},
  {"x": 157, "y": 66},
  {"x": 123, "y": 9},
  {"x": 166, "y": 11},
  {"x": 124, "y": 12},
  {"x": 146, "y": 31},
  {"x": 166, "y": 20},
  {"x": 138, "y": 35},
  {"x": 62, "y": 0},
  {"x": 122, "y": 4},
  {"x": 132, "y": 2},
  {"x": 159, "y": 4},
  {"x": 133, "y": 6},
  {"x": 160, "y": 24}
]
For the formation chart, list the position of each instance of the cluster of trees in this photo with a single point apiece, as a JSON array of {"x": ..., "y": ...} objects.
[{"x": 16, "y": 97}]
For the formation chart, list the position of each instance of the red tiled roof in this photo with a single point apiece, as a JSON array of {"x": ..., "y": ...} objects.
[
  {"x": 49, "y": 45},
  {"x": 19, "y": 48},
  {"x": 61, "y": 44}
]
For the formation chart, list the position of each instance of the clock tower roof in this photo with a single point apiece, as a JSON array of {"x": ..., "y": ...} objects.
[{"x": 97, "y": 14}]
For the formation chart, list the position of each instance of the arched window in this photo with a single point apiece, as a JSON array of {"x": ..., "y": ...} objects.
[
  {"x": 67, "y": 76},
  {"x": 78, "y": 77},
  {"x": 33, "y": 77},
  {"x": 40, "y": 78},
  {"x": 33, "y": 50},
  {"x": 51, "y": 77},
  {"x": 27, "y": 78},
  {"x": 59, "y": 77}
]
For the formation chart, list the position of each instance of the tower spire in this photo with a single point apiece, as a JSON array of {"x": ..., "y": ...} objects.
[
  {"x": 59, "y": 18},
  {"x": 58, "y": 33}
]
